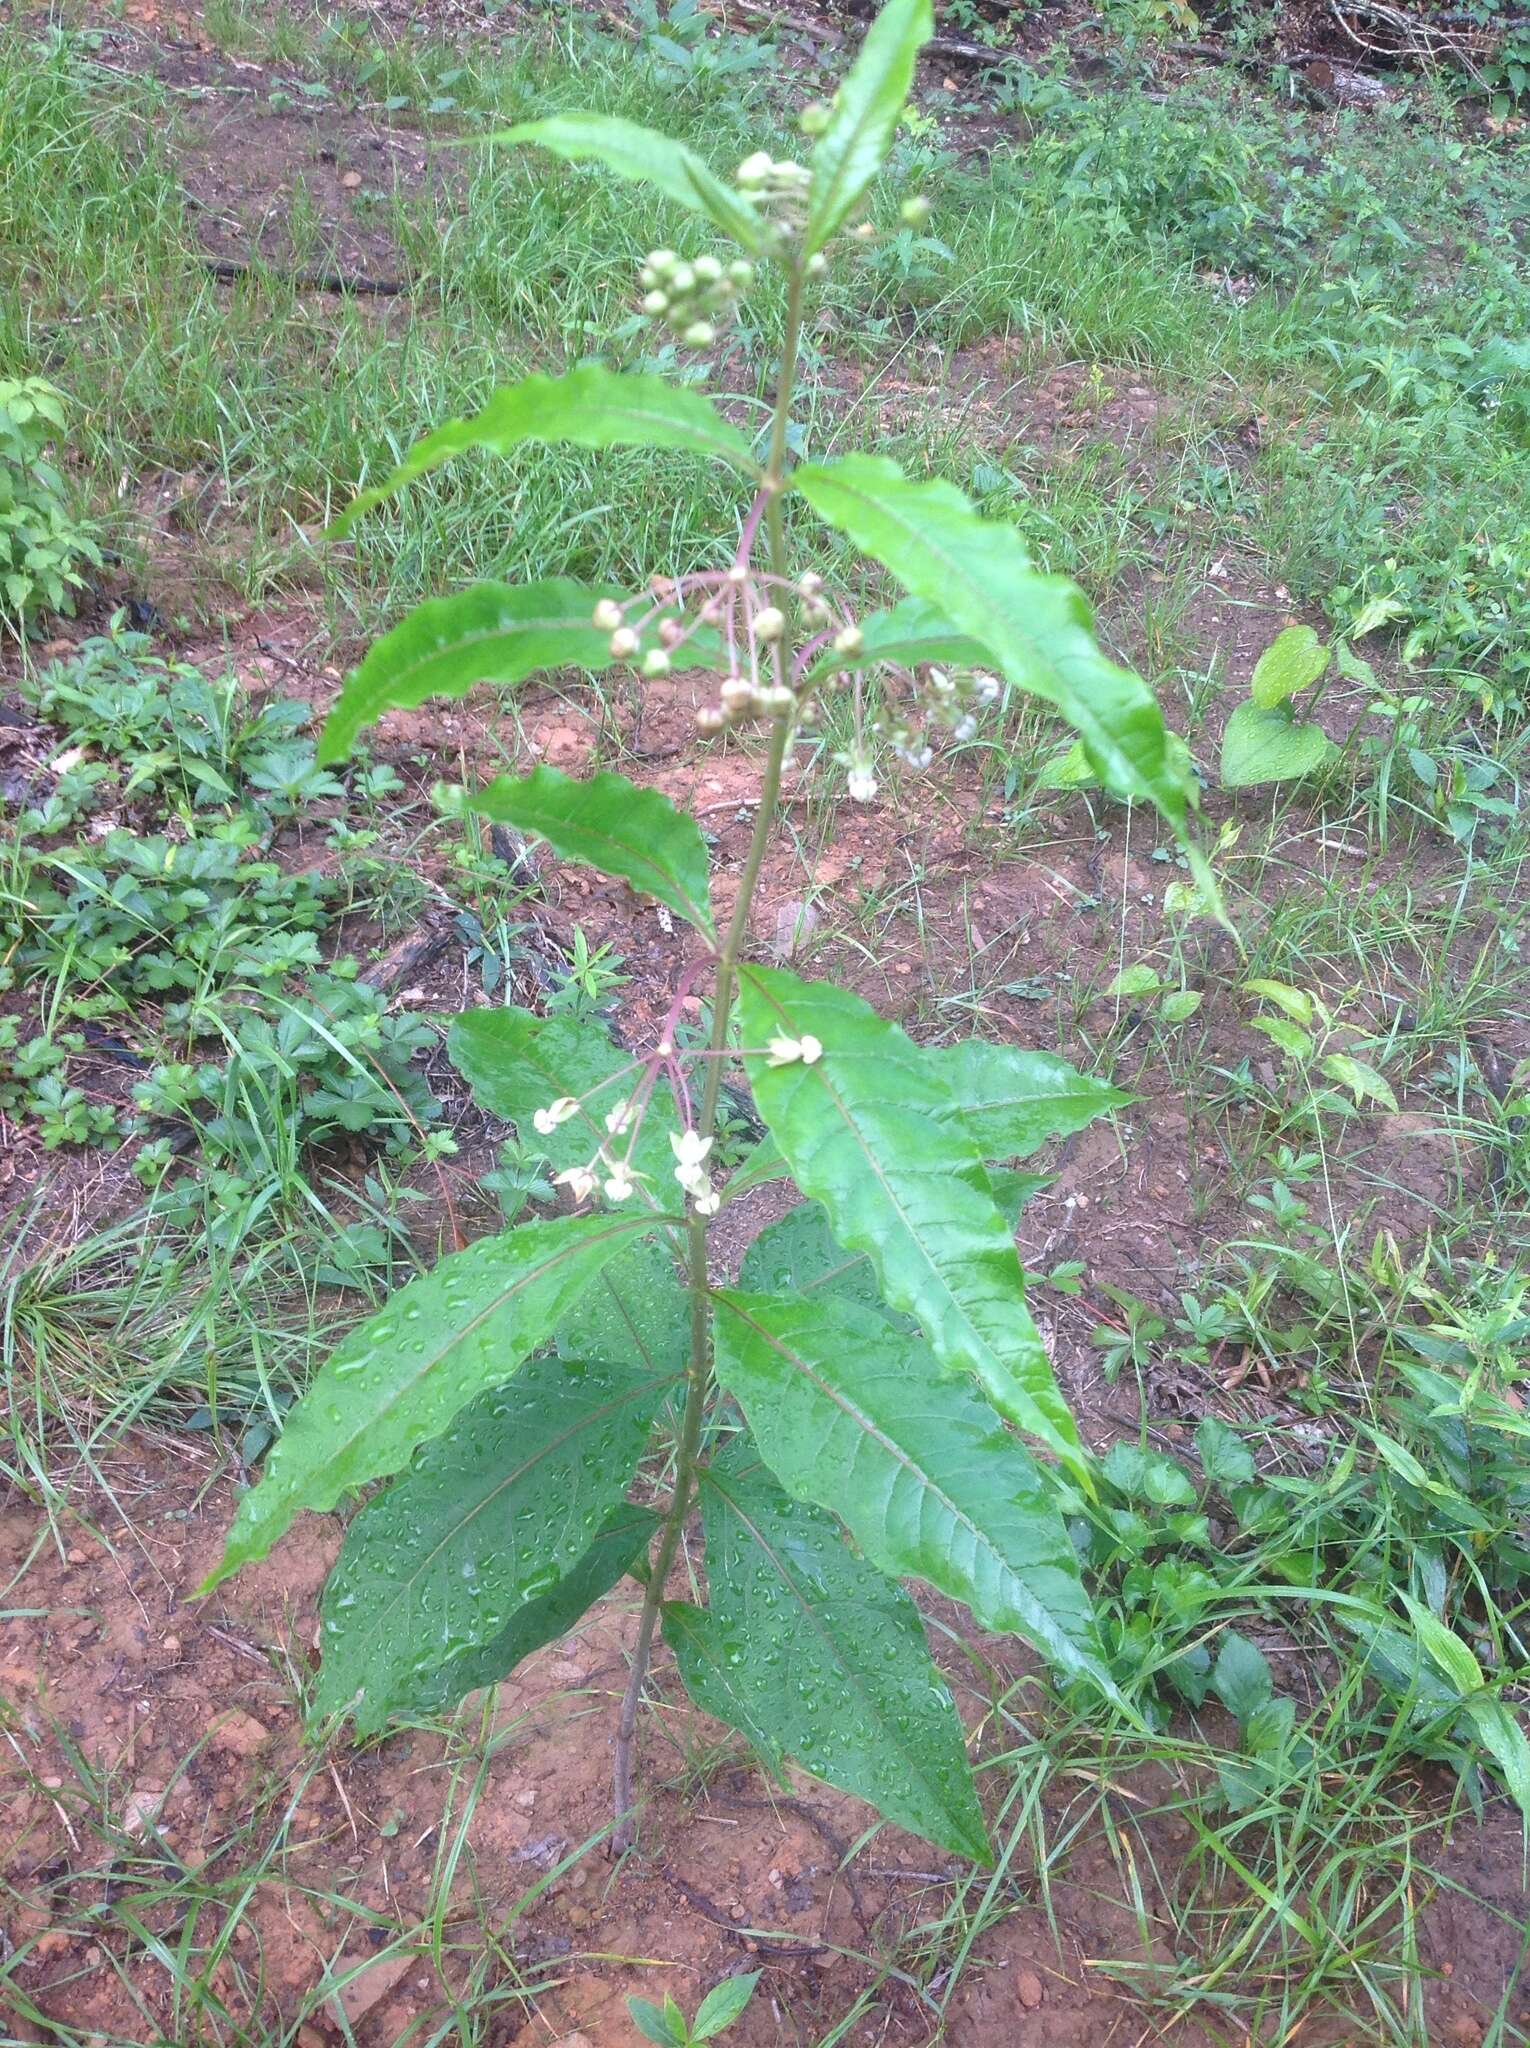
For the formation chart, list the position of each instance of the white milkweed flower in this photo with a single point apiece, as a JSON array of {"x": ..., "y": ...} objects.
[
  {"x": 706, "y": 1202},
  {"x": 578, "y": 1180},
  {"x": 769, "y": 623},
  {"x": 547, "y": 1120},
  {"x": 786, "y": 1052},
  {"x": 619, "y": 1117},
  {"x": 754, "y": 170},
  {"x": 619, "y": 1184},
  {"x": 861, "y": 785},
  {"x": 689, "y": 1148}
]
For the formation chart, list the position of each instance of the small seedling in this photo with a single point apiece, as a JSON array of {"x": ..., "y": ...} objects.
[{"x": 668, "y": 2027}]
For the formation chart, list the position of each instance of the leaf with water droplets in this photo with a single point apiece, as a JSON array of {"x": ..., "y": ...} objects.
[
  {"x": 814, "y": 1655},
  {"x": 857, "y": 1418},
  {"x": 624, "y": 1538},
  {"x": 400, "y": 1377},
  {"x": 636, "y": 1313},
  {"x": 517, "y": 1063},
  {"x": 488, "y": 1517},
  {"x": 872, "y": 1131}
]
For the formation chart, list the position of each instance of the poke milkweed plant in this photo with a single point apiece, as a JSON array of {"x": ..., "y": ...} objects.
[{"x": 875, "y": 1371}]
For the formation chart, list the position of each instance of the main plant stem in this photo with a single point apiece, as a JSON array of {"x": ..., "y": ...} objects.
[{"x": 699, "y": 1370}]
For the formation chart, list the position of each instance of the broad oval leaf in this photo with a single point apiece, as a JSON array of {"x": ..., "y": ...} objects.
[
  {"x": 590, "y": 407},
  {"x": 517, "y": 1063},
  {"x": 401, "y": 1376},
  {"x": 871, "y": 1131},
  {"x": 644, "y": 155},
  {"x": 1012, "y": 1099},
  {"x": 1038, "y": 629},
  {"x": 489, "y": 1516},
  {"x": 611, "y": 824},
  {"x": 854, "y": 146},
  {"x": 814, "y": 1655},
  {"x": 489, "y": 633},
  {"x": 1270, "y": 746},
  {"x": 1292, "y": 660},
  {"x": 854, "y": 1417},
  {"x": 624, "y": 1538}
]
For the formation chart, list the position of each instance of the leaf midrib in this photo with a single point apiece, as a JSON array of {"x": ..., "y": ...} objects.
[
  {"x": 857, "y": 1678},
  {"x": 898, "y": 1456},
  {"x": 527, "y": 1464}
]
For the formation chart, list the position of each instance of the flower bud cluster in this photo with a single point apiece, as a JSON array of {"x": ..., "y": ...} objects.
[
  {"x": 778, "y": 188},
  {"x": 690, "y": 294}
]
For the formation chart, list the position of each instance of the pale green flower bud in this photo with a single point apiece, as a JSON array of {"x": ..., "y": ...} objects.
[
  {"x": 817, "y": 264},
  {"x": 741, "y": 274},
  {"x": 754, "y": 170},
  {"x": 656, "y": 662},
  {"x": 624, "y": 643},
  {"x": 769, "y": 624},
  {"x": 700, "y": 334},
  {"x": 708, "y": 269},
  {"x": 915, "y": 211},
  {"x": 709, "y": 719},
  {"x": 848, "y": 641},
  {"x": 682, "y": 279},
  {"x": 815, "y": 117},
  {"x": 662, "y": 261},
  {"x": 656, "y": 302},
  {"x": 606, "y": 616}
]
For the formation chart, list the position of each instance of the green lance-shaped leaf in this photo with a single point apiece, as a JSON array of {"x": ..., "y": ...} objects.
[
  {"x": 1013, "y": 1100},
  {"x": 517, "y": 1063},
  {"x": 630, "y": 150},
  {"x": 854, "y": 146},
  {"x": 589, "y": 407},
  {"x": 814, "y": 1655},
  {"x": 912, "y": 634},
  {"x": 490, "y": 633},
  {"x": 489, "y": 1516},
  {"x": 611, "y": 824},
  {"x": 1038, "y": 629},
  {"x": 624, "y": 1538},
  {"x": 401, "y": 1376},
  {"x": 799, "y": 1254},
  {"x": 871, "y": 1131},
  {"x": 854, "y": 1417}
]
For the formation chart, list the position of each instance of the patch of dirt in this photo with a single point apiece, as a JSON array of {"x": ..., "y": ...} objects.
[{"x": 152, "y": 1735}]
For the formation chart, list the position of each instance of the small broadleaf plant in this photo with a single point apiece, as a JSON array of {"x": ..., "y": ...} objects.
[
  {"x": 869, "y": 1401},
  {"x": 1264, "y": 740}
]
